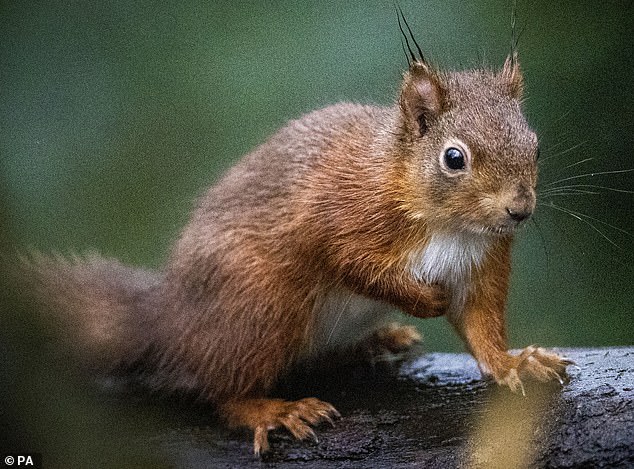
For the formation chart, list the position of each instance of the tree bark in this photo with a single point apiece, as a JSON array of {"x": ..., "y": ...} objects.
[{"x": 435, "y": 411}]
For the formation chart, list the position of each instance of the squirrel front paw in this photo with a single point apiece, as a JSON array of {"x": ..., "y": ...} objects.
[{"x": 533, "y": 363}]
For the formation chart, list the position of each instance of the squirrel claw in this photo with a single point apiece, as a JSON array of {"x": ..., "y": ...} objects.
[
  {"x": 534, "y": 363},
  {"x": 263, "y": 415},
  {"x": 260, "y": 440}
]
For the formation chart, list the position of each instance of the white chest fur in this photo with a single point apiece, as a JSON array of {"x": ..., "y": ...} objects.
[{"x": 449, "y": 259}]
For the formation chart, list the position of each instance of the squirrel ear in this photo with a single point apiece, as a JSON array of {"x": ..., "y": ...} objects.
[
  {"x": 511, "y": 75},
  {"x": 421, "y": 97}
]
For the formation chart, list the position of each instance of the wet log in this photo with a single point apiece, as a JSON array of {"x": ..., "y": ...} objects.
[{"x": 435, "y": 411}]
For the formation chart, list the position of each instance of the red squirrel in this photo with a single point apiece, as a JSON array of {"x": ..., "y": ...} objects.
[{"x": 306, "y": 245}]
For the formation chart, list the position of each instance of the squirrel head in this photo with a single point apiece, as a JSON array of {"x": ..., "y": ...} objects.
[{"x": 468, "y": 153}]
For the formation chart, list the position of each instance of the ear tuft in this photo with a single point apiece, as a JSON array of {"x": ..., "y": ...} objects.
[
  {"x": 422, "y": 97},
  {"x": 511, "y": 75}
]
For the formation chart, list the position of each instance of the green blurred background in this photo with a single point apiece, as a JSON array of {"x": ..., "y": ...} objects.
[{"x": 115, "y": 115}]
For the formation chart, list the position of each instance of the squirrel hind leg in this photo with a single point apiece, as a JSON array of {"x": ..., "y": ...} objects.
[
  {"x": 261, "y": 415},
  {"x": 393, "y": 342},
  {"x": 388, "y": 346},
  {"x": 395, "y": 337}
]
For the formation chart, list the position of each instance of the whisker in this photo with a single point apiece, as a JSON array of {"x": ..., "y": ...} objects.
[
  {"x": 566, "y": 151},
  {"x": 582, "y": 218},
  {"x": 551, "y": 150},
  {"x": 600, "y": 173},
  {"x": 562, "y": 117},
  {"x": 552, "y": 129},
  {"x": 580, "y": 187},
  {"x": 586, "y": 222},
  {"x": 602, "y": 222},
  {"x": 577, "y": 163},
  {"x": 566, "y": 191}
]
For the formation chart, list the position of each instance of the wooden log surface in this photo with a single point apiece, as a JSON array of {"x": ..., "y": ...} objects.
[{"x": 433, "y": 411}]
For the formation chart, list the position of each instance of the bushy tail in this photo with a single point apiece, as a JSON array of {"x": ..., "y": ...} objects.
[{"x": 103, "y": 309}]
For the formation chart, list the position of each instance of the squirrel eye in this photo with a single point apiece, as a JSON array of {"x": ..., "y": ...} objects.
[{"x": 454, "y": 159}]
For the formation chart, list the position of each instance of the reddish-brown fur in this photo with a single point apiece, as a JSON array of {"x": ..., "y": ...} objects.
[{"x": 347, "y": 202}]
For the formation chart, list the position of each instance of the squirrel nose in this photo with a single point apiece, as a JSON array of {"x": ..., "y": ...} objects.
[
  {"x": 521, "y": 206},
  {"x": 519, "y": 214}
]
